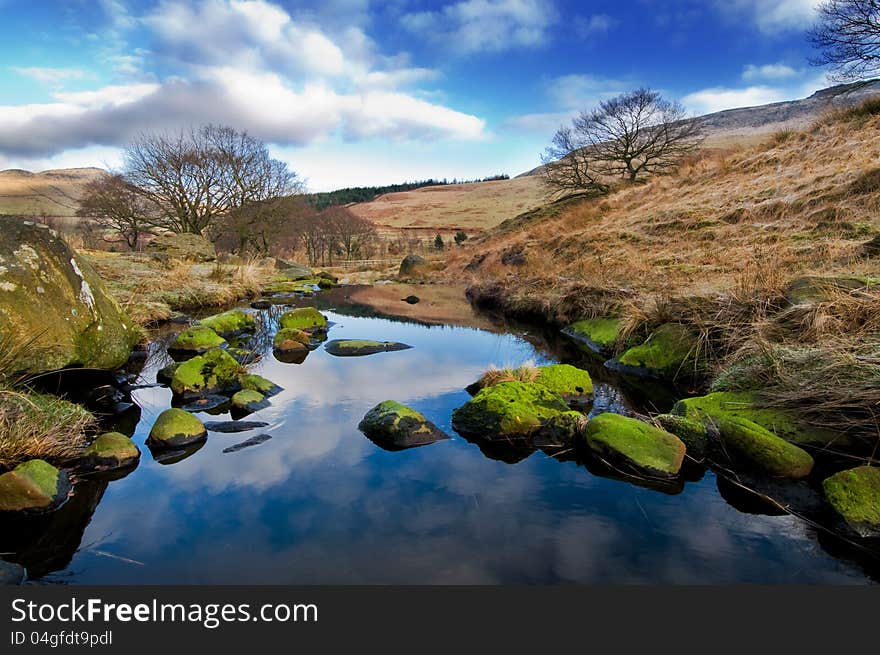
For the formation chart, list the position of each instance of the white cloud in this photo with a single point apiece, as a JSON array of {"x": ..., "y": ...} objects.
[
  {"x": 708, "y": 101},
  {"x": 51, "y": 75},
  {"x": 773, "y": 16},
  {"x": 769, "y": 72},
  {"x": 587, "y": 26},
  {"x": 485, "y": 25}
]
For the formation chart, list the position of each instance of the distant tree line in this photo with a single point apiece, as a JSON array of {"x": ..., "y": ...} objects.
[{"x": 352, "y": 195}]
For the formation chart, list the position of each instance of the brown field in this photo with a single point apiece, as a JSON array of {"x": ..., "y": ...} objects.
[
  {"x": 53, "y": 194},
  {"x": 469, "y": 207}
]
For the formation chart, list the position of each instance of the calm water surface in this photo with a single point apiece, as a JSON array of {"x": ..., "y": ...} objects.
[{"x": 320, "y": 503}]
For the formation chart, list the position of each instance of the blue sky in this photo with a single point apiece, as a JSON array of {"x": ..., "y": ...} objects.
[{"x": 355, "y": 92}]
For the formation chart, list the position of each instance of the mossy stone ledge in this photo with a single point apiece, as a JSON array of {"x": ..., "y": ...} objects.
[
  {"x": 670, "y": 353},
  {"x": 230, "y": 323},
  {"x": 303, "y": 318},
  {"x": 508, "y": 410},
  {"x": 362, "y": 347},
  {"x": 111, "y": 451},
  {"x": 215, "y": 372},
  {"x": 635, "y": 444},
  {"x": 755, "y": 447},
  {"x": 176, "y": 428},
  {"x": 197, "y": 340},
  {"x": 598, "y": 334},
  {"x": 855, "y": 496},
  {"x": 394, "y": 426},
  {"x": 33, "y": 487}
]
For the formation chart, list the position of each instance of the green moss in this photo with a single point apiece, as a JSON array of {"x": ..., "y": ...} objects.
[
  {"x": 251, "y": 382},
  {"x": 304, "y": 318},
  {"x": 229, "y": 323},
  {"x": 214, "y": 372},
  {"x": 289, "y": 286},
  {"x": 34, "y": 485},
  {"x": 113, "y": 445},
  {"x": 391, "y": 415},
  {"x": 669, "y": 352},
  {"x": 565, "y": 380},
  {"x": 741, "y": 405},
  {"x": 249, "y": 400},
  {"x": 855, "y": 495},
  {"x": 175, "y": 427},
  {"x": 692, "y": 433},
  {"x": 198, "y": 338},
  {"x": 600, "y": 334},
  {"x": 643, "y": 447},
  {"x": 754, "y": 445},
  {"x": 508, "y": 409},
  {"x": 42, "y": 474},
  {"x": 288, "y": 338}
]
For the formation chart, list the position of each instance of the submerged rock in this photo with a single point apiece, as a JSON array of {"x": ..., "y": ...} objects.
[
  {"x": 753, "y": 446},
  {"x": 51, "y": 298},
  {"x": 34, "y": 486},
  {"x": 669, "y": 353},
  {"x": 508, "y": 409},
  {"x": 855, "y": 496},
  {"x": 361, "y": 347},
  {"x": 211, "y": 403},
  {"x": 11, "y": 574},
  {"x": 304, "y": 318},
  {"x": 598, "y": 334},
  {"x": 637, "y": 445},
  {"x": 198, "y": 339},
  {"x": 247, "y": 402},
  {"x": 215, "y": 372},
  {"x": 231, "y": 427},
  {"x": 176, "y": 428},
  {"x": 230, "y": 323},
  {"x": 248, "y": 443},
  {"x": 394, "y": 426},
  {"x": 110, "y": 451}
]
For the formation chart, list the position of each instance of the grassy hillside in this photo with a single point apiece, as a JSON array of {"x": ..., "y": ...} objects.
[
  {"x": 52, "y": 193},
  {"x": 717, "y": 246}
]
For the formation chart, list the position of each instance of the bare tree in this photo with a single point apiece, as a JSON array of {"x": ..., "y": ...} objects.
[
  {"x": 635, "y": 134},
  {"x": 847, "y": 34},
  {"x": 116, "y": 207},
  {"x": 192, "y": 179},
  {"x": 351, "y": 232}
]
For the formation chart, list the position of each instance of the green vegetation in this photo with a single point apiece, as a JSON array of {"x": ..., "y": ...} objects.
[
  {"x": 855, "y": 495},
  {"x": 176, "y": 428},
  {"x": 288, "y": 339},
  {"x": 213, "y": 372},
  {"x": 600, "y": 334},
  {"x": 508, "y": 409},
  {"x": 565, "y": 380},
  {"x": 759, "y": 448},
  {"x": 197, "y": 339},
  {"x": 32, "y": 486},
  {"x": 304, "y": 318},
  {"x": 251, "y": 382},
  {"x": 111, "y": 450},
  {"x": 670, "y": 352},
  {"x": 643, "y": 447},
  {"x": 230, "y": 323}
]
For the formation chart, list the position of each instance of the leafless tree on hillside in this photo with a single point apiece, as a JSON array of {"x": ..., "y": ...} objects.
[
  {"x": 116, "y": 207},
  {"x": 847, "y": 34},
  {"x": 634, "y": 134},
  {"x": 352, "y": 233}
]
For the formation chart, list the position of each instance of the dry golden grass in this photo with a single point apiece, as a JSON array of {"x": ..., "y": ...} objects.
[
  {"x": 526, "y": 373},
  {"x": 53, "y": 193},
  {"x": 452, "y": 207}
]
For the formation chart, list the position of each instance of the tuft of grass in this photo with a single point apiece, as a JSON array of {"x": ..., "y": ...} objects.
[{"x": 526, "y": 373}]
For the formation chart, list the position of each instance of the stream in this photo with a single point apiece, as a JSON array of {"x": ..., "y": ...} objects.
[{"x": 319, "y": 503}]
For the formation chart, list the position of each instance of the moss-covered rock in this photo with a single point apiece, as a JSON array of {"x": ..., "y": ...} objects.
[
  {"x": 742, "y": 405},
  {"x": 361, "y": 347},
  {"x": 109, "y": 451},
  {"x": 598, "y": 334},
  {"x": 165, "y": 374},
  {"x": 855, "y": 495},
  {"x": 176, "y": 428},
  {"x": 394, "y": 426},
  {"x": 693, "y": 433},
  {"x": 251, "y": 382},
  {"x": 230, "y": 323},
  {"x": 247, "y": 402},
  {"x": 52, "y": 297},
  {"x": 669, "y": 353},
  {"x": 508, "y": 409},
  {"x": 34, "y": 486},
  {"x": 215, "y": 372},
  {"x": 11, "y": 574},
  {"x": 293, "y": 270},
  {"x": 184, "y": 246},
  {"x": 197, "y": 339},
  {"x": 632, "y": 443},
  {"x": 303, "y": 318},
  {"x": 806, "y": 290},
  {"x": 327, "y": 280},
  {"x": 284, "y": 286},
  {"x": 560, "y": 431},
  {"x": 291, "y": 340},
  {"x": 755, "y": 447},
  {"x": 572, "y": 383}
]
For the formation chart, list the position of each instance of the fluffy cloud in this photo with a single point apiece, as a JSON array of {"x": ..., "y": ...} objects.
[
  {"x": 773, "y": 16},
  {"x": 769, "y": 72},
  {"x": 708, "y": 101},
  {"x": 485, "y": 25},
  {"x": 51, "y": 75},
  {"x": 247, "y": 63}
]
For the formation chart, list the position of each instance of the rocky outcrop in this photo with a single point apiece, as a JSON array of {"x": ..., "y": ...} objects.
[
  {"x": 411, "y": 265},
  {"x": 53, "y": 297},
  {"x": 186, "y": 247}
]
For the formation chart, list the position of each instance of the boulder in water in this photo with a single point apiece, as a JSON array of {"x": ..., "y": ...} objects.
[
  {"x": 176, "y": 428},
  {"x": 32, "y": 487}
]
